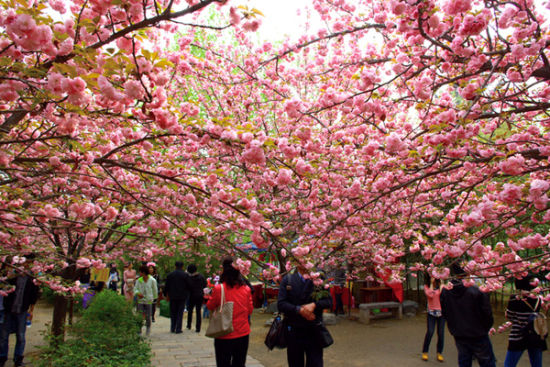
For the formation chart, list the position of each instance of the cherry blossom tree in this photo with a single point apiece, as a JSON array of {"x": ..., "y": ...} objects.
[
  {"x": 399, "y": 130},
  {"x": 85, "y": 112}
]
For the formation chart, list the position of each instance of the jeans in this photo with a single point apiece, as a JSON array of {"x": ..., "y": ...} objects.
[
  {"x": 194, "y": 304},
  {"x": 231, "y": 352},
  {"x": 432, "y": 322},
  {"x": 301, "y": 343},
  {"x": 145, "y": 310},
  {"x": 513, "y": 356},
  {"x": 19, "y": 321},
  {"x": 480, "y": 348},
  {"x": 176, "y": 314}
]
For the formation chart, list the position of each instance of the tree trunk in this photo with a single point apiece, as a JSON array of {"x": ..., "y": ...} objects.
[
  {"x": 60, "y": 306},
  {"x": 59, "y": 316},
  {"x": 71, "y": 310}
]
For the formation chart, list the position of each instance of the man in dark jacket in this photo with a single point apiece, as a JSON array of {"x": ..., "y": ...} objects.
[
  {"x": 302, "y": 313},
  {"x": 176, "y": 289},
  {"x": 16, "y": 306},
  {"x": 197, "y": 283},
  {"x": 469, "y": 317}
]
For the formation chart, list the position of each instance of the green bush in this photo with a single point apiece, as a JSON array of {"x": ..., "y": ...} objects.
[
  {"x": 47, "y": 295},
  {"x": 107, "y": 335}
]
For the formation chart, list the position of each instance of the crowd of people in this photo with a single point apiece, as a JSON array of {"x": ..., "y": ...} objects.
[
  {"x": 469, "y": 316},
  {"x": 185, "y": 290},
  {"x": 464, "y": 309}
]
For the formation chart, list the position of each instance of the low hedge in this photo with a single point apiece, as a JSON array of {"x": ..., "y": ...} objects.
[{"x": 107, "y": 335}]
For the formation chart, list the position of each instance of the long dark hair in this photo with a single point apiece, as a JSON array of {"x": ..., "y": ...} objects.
[
  {"x": 524, "y": 283},
  {"x": 428, "y": 280},
  {"x": 230, "y": 276}
]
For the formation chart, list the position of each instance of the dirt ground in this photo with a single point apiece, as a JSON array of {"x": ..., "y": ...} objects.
[{"x": 382, "y": 343}]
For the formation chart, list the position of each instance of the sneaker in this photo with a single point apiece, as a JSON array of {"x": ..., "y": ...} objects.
[
  {"x": 440, "y": 357},
  {"x": 424, "y": 356}
]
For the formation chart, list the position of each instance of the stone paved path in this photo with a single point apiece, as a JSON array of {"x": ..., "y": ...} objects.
[{"x": 189, "y": 349}]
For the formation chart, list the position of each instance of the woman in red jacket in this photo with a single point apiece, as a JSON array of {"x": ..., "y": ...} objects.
[{"x": 231, "y": 349}]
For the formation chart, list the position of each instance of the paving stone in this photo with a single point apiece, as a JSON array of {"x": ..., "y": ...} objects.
[{"x": 188, "y": 349}]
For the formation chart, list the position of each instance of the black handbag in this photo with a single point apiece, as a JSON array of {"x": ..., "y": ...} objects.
[
  {"x": 276, "y": 336},
  {"x": 322, "y": 335}
]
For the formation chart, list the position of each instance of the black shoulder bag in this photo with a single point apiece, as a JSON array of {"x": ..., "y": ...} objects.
[{"x": 276, "y": 336}]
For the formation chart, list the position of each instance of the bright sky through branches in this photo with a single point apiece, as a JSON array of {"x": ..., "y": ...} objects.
[
  {"x": 288, "y": 17},
  {"x": 283, "y": 17}
]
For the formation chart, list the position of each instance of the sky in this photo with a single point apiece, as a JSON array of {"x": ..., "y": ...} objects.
[{"x": 281, "y": 17}]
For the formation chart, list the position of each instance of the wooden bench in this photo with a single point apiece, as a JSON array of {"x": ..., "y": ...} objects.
[{"x": 365, "y": 310}]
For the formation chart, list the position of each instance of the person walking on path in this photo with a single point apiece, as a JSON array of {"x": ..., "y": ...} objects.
[
  {"x": 176, "y": 290},
  {"x": 520, "y": 307},
  {"x": 435, "y": 317},
  {"x": 16, "y": 305},
  {"x": 302, "y": 315},
  {"x": 154, "y": 274},
  {"x": 232, "y": 348},
  {"x": 146, "y": 292},
  {"x": 468, "y": 313},
  {"x": 129, "y": 280},
  {"x": 113, "y": 278},
  {"x": 197, "y": 283}
]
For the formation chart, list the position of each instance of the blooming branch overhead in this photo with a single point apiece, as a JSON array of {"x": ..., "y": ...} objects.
[{"x": 398, "y": 136}]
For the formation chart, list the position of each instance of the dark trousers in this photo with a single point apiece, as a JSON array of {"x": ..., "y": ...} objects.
[
  {"x": 177, "y": 306},
  {"x": 339, "y": 308},
  {"x": 13, "y": 322},
  {"x": 231, "y": 352},
  {"x": 301, "y": 343},
  {"x": 432, "y": 322},
  {"x": 480, "y": 348},
  {"x": 154, "y": 308},
  {"x": 194, "y": 304},
  {"x": 513, "y": 356}
]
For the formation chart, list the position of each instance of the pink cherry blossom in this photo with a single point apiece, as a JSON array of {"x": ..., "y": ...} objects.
[
  {"x": 394, "y": 144},
  {"x": 284, "y": 177},
  {"x": 513, "y": 165},
  {"x": 133, "y": 89},
  {"x": 453, "y": 7},
  {"x": 83, "y": 263}
]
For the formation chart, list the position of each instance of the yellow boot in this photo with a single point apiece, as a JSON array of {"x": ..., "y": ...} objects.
[
  {"x": 424, "y": 356},
  {"x": 440, "y": 358}
]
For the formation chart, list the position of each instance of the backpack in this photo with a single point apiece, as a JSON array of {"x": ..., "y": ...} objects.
[{"x": 536, "y": 327}]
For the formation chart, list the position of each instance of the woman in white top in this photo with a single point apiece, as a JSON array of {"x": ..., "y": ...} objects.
[{"x": 146, "y": 292}]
